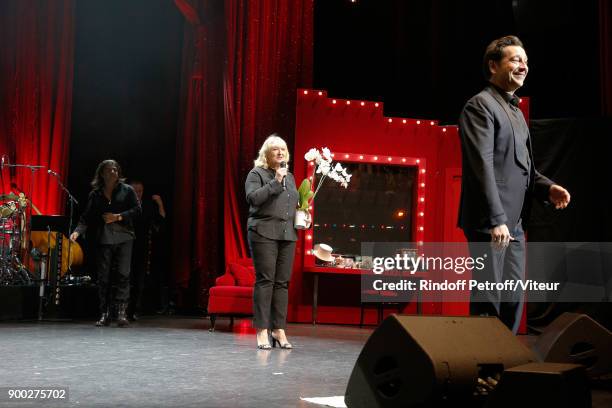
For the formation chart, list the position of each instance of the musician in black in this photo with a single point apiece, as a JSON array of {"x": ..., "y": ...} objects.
[
  {"x": 148, "y": 227},
  {"x": 108, "y": 221}
]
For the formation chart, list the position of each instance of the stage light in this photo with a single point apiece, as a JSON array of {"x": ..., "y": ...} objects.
[
  {"x": 348, "y": 102},
  {"x": 421, "y": 214},
  {"x": 431, "y": 123},
  {"x": 334, "y": 101},
  {"x": 403, "y": 120},
  {"x": 309, "y": 237},
  {"x": 421, "y": 228},
  {"x": 520, "y": 100},
  {"x": 311, "y": 163},
  {"x": 390, "y": 120},
  {"x": 423, "y": 171},
  {"x": 418, "y": 122},
  {"x": 422, "y": 184},
  {"x": 376, "y": 104},
  {"x": 360, "y": 157},
  {"x": 309, "y": 252},
  {"x": 362, "y": 103},
  {"x": 305, "y": 92},
  {"x": 444, "y": 129},
  {"x": 400, "y": 213},
  {"x": 375, "y": 157},
  {"x": 422, "y": 199},
  {"x": 320, "y": 93},
  {"x": 403, "y": 160},
  {"x": 389, "y": 158},
  {"x": 346, "y": 156}
]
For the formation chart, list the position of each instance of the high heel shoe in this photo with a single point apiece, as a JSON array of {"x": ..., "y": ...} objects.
[
  {"x": 263, "y": 346},
  {"x": 286, "y": 346}
]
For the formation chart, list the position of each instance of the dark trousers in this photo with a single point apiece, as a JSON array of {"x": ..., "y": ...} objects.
[
  {"x": 499, "y": 265},
  {"x": 273, "y": 261},
  {"x": 138, "y": 276},
  {"x": 114, "y": 259}
]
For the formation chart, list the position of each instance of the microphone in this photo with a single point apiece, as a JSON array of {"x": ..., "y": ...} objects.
[{"x": 283, "y": 165}]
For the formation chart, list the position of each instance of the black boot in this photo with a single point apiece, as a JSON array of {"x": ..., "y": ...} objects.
[
  {"x": 105, "y": 319},
  {"x": 122, "y": 320}
]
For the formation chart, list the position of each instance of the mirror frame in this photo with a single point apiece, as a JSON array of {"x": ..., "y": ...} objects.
[{"x": 418, "y": 216}]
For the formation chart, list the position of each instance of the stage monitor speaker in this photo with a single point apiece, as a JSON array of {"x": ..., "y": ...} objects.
[
  {"x": 577, "y": 339},
  {"x": 417, "y": 361},
  {"x": 538, "y": 385}
]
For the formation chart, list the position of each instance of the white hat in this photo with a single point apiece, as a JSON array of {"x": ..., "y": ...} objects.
[{"x": 323, "y": 252}]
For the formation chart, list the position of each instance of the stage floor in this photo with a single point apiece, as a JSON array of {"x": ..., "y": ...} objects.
[{"x": 176, "y": 362}]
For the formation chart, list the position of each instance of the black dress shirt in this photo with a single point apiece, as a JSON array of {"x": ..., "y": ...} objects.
[
  {"x": 124, "y": 201},
  {"x": 519, "y": 125},
  {"x": 272, "y": 208}
]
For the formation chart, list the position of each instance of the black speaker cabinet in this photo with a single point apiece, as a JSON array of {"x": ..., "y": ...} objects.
[
  {"x": 577, "y": 339},
  {"x": 538, "y": 385},
  {"x": 414, "y": 361}
]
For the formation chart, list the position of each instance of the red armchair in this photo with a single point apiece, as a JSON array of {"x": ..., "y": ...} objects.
[{"x": 232, "y": 294}]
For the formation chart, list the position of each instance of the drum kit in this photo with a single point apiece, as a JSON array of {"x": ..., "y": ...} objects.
[{"x": 13, "y": 241}]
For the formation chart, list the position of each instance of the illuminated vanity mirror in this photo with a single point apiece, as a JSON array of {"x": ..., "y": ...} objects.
[{"x": 381, "y": 204}]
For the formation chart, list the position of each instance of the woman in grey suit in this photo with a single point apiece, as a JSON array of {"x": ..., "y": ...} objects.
[{"x": 273, "y": 198}]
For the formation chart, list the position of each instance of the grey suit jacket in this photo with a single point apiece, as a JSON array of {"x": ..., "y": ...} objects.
[
  {"x": 271, "y": 208},
  {"x": 498, "y": 177}
]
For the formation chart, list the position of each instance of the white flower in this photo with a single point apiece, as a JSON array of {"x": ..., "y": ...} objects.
[
  {"x": 334, "y": 176},
  {"x": 326, "y": 154},
  {"x": 324, "y": 167},
  {"x": 312, "y": 154},
  {"x": 338, "y": 168}
]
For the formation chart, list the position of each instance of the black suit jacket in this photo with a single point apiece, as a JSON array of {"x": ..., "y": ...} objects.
[{"x": 498, "y": 178}]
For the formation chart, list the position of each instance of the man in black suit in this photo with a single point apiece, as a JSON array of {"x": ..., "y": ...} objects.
[{"x": 499, "y": 179}]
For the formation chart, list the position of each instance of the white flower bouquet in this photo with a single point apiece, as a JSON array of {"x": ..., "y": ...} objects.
[{"x": 324, "y": 166}]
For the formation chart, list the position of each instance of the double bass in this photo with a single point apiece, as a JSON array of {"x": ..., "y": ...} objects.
[{"x": 49, "y": 243}]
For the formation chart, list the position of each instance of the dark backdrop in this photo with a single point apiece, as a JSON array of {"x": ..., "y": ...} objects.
[
  {"x": 127, "y": 68},
  {"x": 423, "y": 57}
]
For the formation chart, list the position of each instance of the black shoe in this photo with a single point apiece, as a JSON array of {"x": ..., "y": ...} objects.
[
  {"x": 122, "y": 320},
  {"x": 275, "y": 341},
  {"x": 104, "y": 320}
]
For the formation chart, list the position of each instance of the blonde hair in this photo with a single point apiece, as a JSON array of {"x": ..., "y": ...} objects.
[{"x": 271, "y": 142}]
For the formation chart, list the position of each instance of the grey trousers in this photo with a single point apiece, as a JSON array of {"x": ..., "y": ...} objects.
[
  {"x": 499, "y": 265},
  {"x": 273, "y": 261}
]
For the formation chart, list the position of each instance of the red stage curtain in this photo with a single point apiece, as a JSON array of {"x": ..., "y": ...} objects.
[
  {"x": 269, "y": 48},
  {"x": 36, "y": 72},
  {"x": 242, "y": 66}
]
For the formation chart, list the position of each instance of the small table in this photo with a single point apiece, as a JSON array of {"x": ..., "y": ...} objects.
[{"x": 317, "y": 270}]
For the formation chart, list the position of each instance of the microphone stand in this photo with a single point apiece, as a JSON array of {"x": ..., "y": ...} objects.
[{"x": 72, "y": 201}]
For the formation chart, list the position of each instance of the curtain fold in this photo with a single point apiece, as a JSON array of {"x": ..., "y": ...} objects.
[
  {"x": 253, "y": 56},
  {"x": 36, "y": 75}
]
